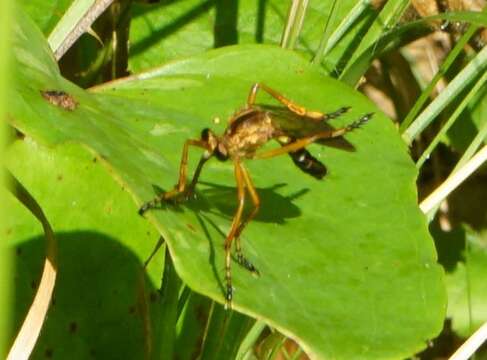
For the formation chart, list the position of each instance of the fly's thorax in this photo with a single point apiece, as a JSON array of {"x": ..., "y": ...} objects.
[{"x": 248, "y": 133}]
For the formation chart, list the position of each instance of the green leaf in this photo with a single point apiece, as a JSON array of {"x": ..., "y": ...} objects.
[
  {"x": 171, "y": 30},
  {"x": 6, "y": 257},
  {"x": 101, "y": 301},
  {"x": 45, "y": 13},
  {"x": 342, "y": 261},
  {"x": 467, "y": 289}
]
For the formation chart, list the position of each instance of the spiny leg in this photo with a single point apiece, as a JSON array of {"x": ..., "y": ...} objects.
[
  {"x": 233, "y": 230},
  {"x": 181, "y": 185},
  {"x": 242, "y": 260},
  {"x": 292, "y": 106},
  {"x": 337, "y": 113},
  {"x": 301, "y": 143}
]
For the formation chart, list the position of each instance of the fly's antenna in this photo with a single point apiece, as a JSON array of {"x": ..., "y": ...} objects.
[{"x": 358, "y": 123}]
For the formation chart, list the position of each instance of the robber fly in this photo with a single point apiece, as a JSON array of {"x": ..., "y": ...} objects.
[{"x": 293, "y": 127}]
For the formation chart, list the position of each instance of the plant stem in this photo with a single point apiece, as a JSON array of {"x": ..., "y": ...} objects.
[
  {"x": 324, "y": 47},
  {"x": 462, "y": 80},
  {"x": 75, "y": 22},
  {"x": 458, "y": 111},
  {"x": 471, "y": 345},
  {"x": 453, "y": 181},
  {"x": 294, "y": 24},
  {"x": 452, "y": 55}
]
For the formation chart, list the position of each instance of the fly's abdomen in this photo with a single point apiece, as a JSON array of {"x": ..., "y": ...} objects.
[{"x": 308, "y": 163}]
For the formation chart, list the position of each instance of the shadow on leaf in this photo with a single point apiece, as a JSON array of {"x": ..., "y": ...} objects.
[
  {"x": 222, "y": 200},
  {"x": 104, "y": 304}
]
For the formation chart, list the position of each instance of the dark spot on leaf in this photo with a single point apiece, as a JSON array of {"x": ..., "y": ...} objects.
[
  {"x": 132, "y": 309},
  {"x": 20, "y": 135},
  {"x": 48, "y": 353},
  {"x": 33, "y": 285},
  {"x": 60, "y": 99},
  {"x": 73, "y": 327},
  {"x": 59, "y": 177},
  {"x": 191, "y": 227},
  {"x": 8, "y": 231},
  {"x": 95, "y": 160},
  {"x": 53, "y": 301},
  {"x": 153, "y": 296}
]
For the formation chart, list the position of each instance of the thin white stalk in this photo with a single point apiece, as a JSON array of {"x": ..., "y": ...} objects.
[
  {"x": 76, "y": 21},
  {"x": 475, "y": 341},
  {"x": 453, "y": 181},
  {"x": 31, "y": 328}
]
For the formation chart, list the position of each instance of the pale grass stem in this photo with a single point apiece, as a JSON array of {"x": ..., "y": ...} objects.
[
  {"x": 475, "y": 341},
  {"x": 453, "y": 181},
  {"x": 294, "y": 23}
]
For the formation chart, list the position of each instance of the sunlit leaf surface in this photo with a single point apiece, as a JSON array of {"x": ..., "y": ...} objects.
[{"x": 347, "y": 265}]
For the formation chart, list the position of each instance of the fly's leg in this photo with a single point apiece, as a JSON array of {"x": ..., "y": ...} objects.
[
  {"x": 242, "y": 260},
  {"x": 180, "y": 191},
  {"x": 302, "y": 143},
  {"x": 292, "y": 106},
  {"x": 233, "y": 230}
]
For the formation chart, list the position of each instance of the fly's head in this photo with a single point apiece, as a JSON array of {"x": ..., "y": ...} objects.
[{"x": 215, "y": 145}]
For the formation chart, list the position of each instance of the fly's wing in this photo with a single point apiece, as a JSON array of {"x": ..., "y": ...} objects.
[{"x": 298, "y": 127}]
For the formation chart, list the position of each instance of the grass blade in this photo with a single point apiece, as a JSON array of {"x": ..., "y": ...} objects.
[
  {"x": 31, "y": 327},
  {"x": 458, "y": 111},
  {"x": 324, "y": 48},
  {"x": 171, "y": 285},
  {"x": 387, "y": 19},
  {"x": 77, "y": 20},
  {"x": 473, "y": 343},
  {"x": 5, "y": 255},
  {"x": 453, "y": 181},
  {"x": 400, "y": 36},
  {"x": 460, "y": 82},
  {"x": 452, "y": 55},
  {"x": 250, "y": 339},
  {"x": 294, "y": 24}
]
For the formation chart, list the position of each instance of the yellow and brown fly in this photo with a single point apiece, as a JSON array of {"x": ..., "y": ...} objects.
[{"x": 293, "y": 127}]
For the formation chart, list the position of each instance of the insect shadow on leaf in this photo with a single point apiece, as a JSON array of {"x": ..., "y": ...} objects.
[{"x": 216, "y": 199}]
